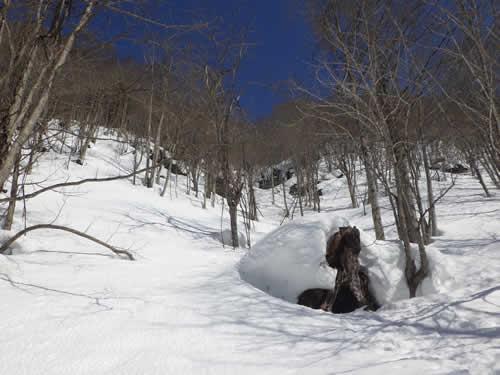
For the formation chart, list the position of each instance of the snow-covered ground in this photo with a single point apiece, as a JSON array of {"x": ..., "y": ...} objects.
[{"x": 189, "y": 305}]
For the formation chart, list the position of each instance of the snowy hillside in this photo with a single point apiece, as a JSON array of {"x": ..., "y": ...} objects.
[{"x": 188, "y": 305}]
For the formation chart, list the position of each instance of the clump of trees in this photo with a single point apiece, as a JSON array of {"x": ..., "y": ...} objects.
[
  {"x": 178, "y": 109},
  {"x": 397, "y": 77}
]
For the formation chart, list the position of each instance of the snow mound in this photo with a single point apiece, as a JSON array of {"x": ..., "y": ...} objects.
[{"x": 291, "y": 259}]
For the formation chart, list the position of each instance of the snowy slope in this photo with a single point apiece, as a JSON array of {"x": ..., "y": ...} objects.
[{"x": 69, "y": 307}]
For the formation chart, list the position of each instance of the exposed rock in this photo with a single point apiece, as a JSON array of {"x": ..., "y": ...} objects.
[
  {"x": 279, "y": 176},
  {"x": 457, "y": 168},
  {"x": 294, "y": 191}
]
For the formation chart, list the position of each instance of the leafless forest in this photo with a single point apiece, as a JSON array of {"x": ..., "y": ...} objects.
[{"x": 401, "y": 90}]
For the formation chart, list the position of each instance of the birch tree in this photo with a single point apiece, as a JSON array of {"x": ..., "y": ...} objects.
[{"x": 27, "y": 83}]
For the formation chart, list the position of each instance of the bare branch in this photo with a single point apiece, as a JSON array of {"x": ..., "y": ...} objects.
[
  {"x": 157, "y": 23},
  {"x": 75, "y": 183},
  {"x": 15, "y": 237}
]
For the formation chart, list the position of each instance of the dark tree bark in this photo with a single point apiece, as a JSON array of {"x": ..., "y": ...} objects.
[{"x": 351, "y": 285}]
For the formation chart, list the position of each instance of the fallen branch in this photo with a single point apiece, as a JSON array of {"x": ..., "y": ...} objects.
[{"x": 11, "y": 240}]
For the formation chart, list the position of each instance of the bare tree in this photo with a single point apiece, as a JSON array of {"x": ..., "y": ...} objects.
[
  {"x": 379, "y": 71},
  {"x": 223, "y": 93},
  {"x": 26, "y": 84},
  {"x": 474, "y": 40}
]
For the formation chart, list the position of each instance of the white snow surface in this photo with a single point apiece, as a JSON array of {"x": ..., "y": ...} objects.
[{"x": 189, "y": 305}]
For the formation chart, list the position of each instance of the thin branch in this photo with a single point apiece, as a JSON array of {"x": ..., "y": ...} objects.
[
  {"x": 435, "y": 201},
  {"x": 149, "y": 20}
]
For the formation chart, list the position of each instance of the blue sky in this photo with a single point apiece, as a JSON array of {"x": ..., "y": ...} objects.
[{"x": 282, "y": 42}]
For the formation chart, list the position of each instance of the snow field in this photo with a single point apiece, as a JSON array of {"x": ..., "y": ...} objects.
[{"x": 70, "y": 307}]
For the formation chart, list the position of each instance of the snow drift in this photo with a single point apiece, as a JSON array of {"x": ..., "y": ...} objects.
[{"x": 291, "y": 259}]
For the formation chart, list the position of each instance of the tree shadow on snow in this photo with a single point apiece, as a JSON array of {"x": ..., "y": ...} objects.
[
  {"x": 264, "y": 323},
  {"x": 102, "y": 302},
  {"x": 156, "y": 218}
]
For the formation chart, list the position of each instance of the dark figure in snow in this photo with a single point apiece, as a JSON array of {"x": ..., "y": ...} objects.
[{"x": 352, "y": 282}]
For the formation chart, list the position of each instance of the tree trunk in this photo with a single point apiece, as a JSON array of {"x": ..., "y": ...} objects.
[
  {"x": 188, "y": 183},
  {"x": 299, "y": 191},
  {"x": 83, "y": 149},
  {"x": 430, "y": 195},
  {"x": 148, "y": 181},
  {"x": 35, "y": 148},
  {"x": 9, "y": 219},
  {"x": 287, "y": 211},
  {"x": 479, "y": 176},
  {"x": 352, "y": 191},
  {"x": 123, "y": 119},
  {"x": 372, "y": 191},
  {"x": 490, "y": 170},
  {"x": 405, "y": 193},
  {"x": 42, "y": 86},
  {"x": 233, "y": 214},
  {"x": 213, "y": 192},
  {"x": 494, "y": 158},
  {"x": 414, "y": 167},
  {"x": 272, "y": 186},
  {"x": 316, "y": 191},
  {"x": 351, "y": 287},
  {"x": 156, "y": 151},
  {"x": 195, "y": 177},
  {"x": 158, "y": 174},
  {"x": 413, "y": 275},
  {"x": 205, "y": 191},
  {"x": 175, "y": 184},
  {"x": 408, "y": 224},
  {"x": 137, "y": 160},
  {"x": 207, "y": 186},
  {"x": 252, "y": 202},
  {"x": 167, "y": 177}
]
